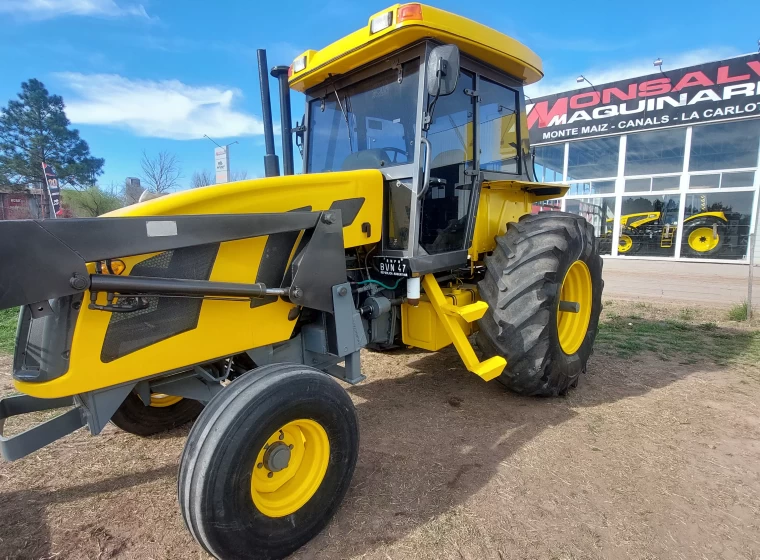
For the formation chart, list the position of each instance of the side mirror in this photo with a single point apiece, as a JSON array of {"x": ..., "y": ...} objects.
[{"x": 443, "y": 70}]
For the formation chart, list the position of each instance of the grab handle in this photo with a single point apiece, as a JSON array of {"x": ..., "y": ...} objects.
[{"x": 426, "y": 174}]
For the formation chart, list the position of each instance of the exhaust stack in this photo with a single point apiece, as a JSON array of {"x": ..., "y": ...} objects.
[
  {"x": 271, "y": 162},
  {"x": 281, "y": 73}
]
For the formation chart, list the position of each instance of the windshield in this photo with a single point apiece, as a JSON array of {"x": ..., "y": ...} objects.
[{"x": 368, "y": 125}]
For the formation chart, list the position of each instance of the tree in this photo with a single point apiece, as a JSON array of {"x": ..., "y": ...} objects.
[
  {"x": 34, "y": 129},
  {"x": 161, "y": 173},
  {"x": 202, "y": 179},
  {"x": 205, "y": 178},
  {"x": 91, "y": 202}
]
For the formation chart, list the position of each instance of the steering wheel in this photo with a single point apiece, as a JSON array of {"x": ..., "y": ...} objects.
[{"x": 395, "y": 152}]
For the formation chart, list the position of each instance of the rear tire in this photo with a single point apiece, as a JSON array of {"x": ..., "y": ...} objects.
[
  {"x": 223, "y": 475},
  {"x": 698, "y": 238},
  {"x": 136, "y": 418},
  {"x": 525, "y": 278}
]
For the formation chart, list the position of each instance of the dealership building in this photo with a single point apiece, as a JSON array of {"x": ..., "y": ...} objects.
[{"x": 664, "y": 165}]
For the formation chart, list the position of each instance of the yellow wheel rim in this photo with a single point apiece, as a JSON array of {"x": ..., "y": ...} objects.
[
  {"x": 290, "y": 467},
  {"x": 703, "y": 239},
  {"x": 577, "y": 288},
  {"x": 159, "y": 400},
  {"x": 625, "y": 243}
]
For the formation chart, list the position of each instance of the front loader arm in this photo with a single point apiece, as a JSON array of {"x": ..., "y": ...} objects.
[
  {"x": 48, "y": 259},
  {"x": 81, "y": 330}
]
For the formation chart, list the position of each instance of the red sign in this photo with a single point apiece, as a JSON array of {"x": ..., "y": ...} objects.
[{"x": 707, "y": 92}]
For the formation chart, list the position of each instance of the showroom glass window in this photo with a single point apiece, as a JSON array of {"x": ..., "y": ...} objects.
[
  {"x": 593, "y": 159},
  {"x": 592, "y": 187},
  {"x": 600, "y": 213},
  {"x": 731, "y": 145},
  {"x": 549, "y": 162},
  {"x": 654, "y": 153},
  {"x": 733, "y": 231},
  {"x": 648, "y": 226}
]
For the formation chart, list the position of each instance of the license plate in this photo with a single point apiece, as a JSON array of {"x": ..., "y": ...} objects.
[{"x": 393, "y": 266}]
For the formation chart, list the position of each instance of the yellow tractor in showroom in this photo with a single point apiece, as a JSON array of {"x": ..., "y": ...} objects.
[
  {"x": 704, "y": 234},
  {"x": 237, "y": 305}
]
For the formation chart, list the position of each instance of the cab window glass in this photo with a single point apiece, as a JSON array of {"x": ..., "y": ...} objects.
[
  {"x": 499, "y": 141},
  {"x": 445, "y": 206},
  {"x": 367, "y": 125}
]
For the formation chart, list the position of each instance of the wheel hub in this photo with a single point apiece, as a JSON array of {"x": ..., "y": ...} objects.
[
  {"x": 574, "y": 307},
  {"x": 277, "y": 457},
  {"x": 290, "y": 467},
  {"x": 160, "y": 400},
  {"x": 625, "y": 243},
  {"x": 703, "y": 239}
]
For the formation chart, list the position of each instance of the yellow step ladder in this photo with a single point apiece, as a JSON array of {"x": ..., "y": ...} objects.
[{"x": 448, "y": 314}]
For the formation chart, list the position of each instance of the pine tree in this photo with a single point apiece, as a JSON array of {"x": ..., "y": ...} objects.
[{"x": 34, "y": 129}]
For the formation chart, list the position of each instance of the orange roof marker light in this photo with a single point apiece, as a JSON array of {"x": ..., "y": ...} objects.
[{"x": 409, "y": 12}]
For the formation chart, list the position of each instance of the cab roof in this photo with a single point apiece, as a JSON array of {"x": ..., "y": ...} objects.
[{"x": 404, "y": 24}]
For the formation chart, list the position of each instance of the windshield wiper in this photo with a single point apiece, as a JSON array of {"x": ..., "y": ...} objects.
[{"x": 345, "y": 116}]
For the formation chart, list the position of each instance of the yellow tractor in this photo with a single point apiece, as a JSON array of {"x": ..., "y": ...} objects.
[
  {"x": 237, "y": 305},
  {"x": 704, "y": 234}
]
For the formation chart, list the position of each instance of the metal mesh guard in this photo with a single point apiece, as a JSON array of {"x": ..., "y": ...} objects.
[{"x": 164, "y": 317}]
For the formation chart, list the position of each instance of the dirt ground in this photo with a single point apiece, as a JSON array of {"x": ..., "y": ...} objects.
[
  {"x": 649, "y": 458},
  {"x": 711, "y": 284}
]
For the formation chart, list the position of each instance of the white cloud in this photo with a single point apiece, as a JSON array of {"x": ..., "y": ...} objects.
[
  {"x": 47, "y": 9},
  {"x": 165, "y": 109},
  {"x": 625, "y": 70}
]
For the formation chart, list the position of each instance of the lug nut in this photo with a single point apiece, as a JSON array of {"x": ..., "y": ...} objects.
[
  {"x": 260, "y": 465},
  {"x": 270, "y": 474},
  {"x": 290, "y": 446},
  {"x": 282, "y": 436}
]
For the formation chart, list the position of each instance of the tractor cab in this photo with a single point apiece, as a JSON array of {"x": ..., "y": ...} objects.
[{"x": 435, "y": 103}]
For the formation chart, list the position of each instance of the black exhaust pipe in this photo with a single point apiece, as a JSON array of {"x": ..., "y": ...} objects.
[
  {"x": 271, "y": 162},
  {"x": 281, "y": 73}
]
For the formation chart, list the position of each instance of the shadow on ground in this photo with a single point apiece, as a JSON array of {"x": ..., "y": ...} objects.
[
  {"x": 24, "y": 529},
  {"x": 432, "y": 434}
]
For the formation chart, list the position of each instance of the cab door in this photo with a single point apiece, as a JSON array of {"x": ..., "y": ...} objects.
[{"x": 445, "y": 205}]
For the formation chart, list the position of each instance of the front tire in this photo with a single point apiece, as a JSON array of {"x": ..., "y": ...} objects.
[
  {"x": 629, "y": 242},
  {"x": 542, "y": 260},
  {"x": 268, "y": 462}
]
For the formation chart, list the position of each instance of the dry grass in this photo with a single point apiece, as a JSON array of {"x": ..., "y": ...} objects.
[{"x": 648, "y": 458}]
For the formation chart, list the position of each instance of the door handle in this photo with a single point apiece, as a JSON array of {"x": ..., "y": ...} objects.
[{"x": 426, "y": 174}]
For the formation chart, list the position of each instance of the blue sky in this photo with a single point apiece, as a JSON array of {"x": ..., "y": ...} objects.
[{"x": 157, "y": 74}]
